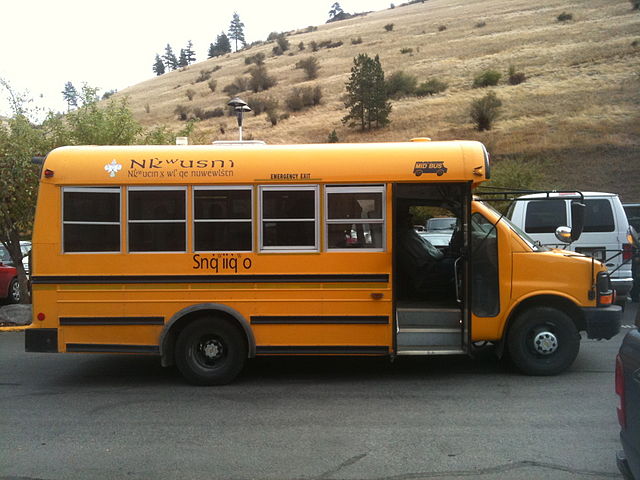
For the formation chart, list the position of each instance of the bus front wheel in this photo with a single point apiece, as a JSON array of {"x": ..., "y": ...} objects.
[
  {"x": 210, "y": 352},
  {"x": 543, "y": 341}
]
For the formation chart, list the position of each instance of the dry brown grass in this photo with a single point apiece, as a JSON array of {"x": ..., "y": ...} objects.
[{"x": 578, "y": 108}]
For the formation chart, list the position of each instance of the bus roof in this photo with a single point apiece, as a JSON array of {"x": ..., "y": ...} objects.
[{"x": 242, "y": 164}]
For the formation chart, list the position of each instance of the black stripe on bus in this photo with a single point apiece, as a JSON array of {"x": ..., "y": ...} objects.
[
  {"x": 322, "y": 350},
  {"x": 116, "y": 279},
  {"x": 111, "y": 348},
  {"x": 320, "y": 320},
  {"x": 111, "y": 320}
]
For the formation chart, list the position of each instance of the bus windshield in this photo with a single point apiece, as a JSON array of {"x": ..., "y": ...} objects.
[{"x": 533, "y": 244}]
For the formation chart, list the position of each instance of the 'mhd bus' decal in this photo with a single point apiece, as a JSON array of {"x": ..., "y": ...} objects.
[{"x": 429, "y": 167}]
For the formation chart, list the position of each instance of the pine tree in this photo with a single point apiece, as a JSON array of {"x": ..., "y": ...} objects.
[
  {"x": 169, "y": 58},
  {"x": 367, "y": 98},
  {"x": 158, "y": 66},
  {"x": 221, "y": 46},
  {"x": 70, "y": 95},
  {"x": 189, "y": 53},
  {"x": 236, "y": 30},
  {"x": 182, "y": 61}
]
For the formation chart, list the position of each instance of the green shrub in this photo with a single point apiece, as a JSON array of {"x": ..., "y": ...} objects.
[
  {"x": 400, "y": 84},
  {"x": 260, "y": 105},
  {"x": 204, "y": 76},
  {"x": 358, "y": 40},
  {"x": 301, "y": 98},
  {"x": 442, "y": 28},
  {"x": 282, "y": 42},
  {"x": 484, "y": 111},
  {"x": 406, "y": 50},
  {"x": 190, "y": 93},
  {"x": 635, "y": 4},
  {"x": 388, "y": 27},
  {"x": 488, "y": 78},
  {"x": 314, "y": 45},
  {"x": 480, "y": 24},
  {"x": 431, "y": 87},
  {"x": 212, "y": 84},
  {"x": 333, "y": 137},
  {"x": 258, "y": 59},
  {"x": 260, "y": 79},
  {"x": 240, "y": 84},
  {"x": 310, "y": 66},
  {"x": 515, "y": 77},
  {"x": 301, "y": 46},
  {"x": 565, "y": 17},
  {"x": 182, "y": 112}
]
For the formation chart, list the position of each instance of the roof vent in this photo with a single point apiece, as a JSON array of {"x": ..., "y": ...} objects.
[{"x": 421, "y": 139}]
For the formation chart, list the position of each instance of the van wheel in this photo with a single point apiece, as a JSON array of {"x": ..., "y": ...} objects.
[
  {"x": 543, "y": 341},
  {"x": 210, "y": 351},
  {"x": 14, "y": 291}
]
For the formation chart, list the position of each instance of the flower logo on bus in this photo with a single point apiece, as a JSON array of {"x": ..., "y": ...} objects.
[
  {"x": 429, "y": 167},
  {"x": 113, "y": 168}
]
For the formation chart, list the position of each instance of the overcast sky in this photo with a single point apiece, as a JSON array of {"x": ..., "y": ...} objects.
[{"x": 112, "y": 45}]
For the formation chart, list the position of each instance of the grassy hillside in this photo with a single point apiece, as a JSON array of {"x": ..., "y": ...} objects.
[{"x": 575, "y": 116}]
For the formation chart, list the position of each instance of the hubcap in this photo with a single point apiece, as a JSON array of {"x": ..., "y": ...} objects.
[
  {"x": 545, "y": 343},
  {"x": 210, "y": 351},
  {"x": 16, "y": 291}
]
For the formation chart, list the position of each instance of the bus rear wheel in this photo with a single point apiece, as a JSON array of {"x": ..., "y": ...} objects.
[
  {"x": 210, "y": 351},
  {"x": 543, "y": 341}
]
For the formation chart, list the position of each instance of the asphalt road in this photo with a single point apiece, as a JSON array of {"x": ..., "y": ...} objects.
[{"x": 104, "y": 416}]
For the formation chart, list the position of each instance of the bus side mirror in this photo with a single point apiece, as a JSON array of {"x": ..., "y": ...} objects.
[
  {"x": 632, "y": 237},
  {"x": 577, "y": 220},
  {"x": 563, "y": 234}
]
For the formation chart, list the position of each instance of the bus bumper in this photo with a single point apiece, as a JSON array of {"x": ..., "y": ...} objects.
[
  {"x": 41, "y": 340},
  {"x": 602, "y": 322}
]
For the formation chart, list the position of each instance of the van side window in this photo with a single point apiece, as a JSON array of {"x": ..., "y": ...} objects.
[
  {"x": 222, "y": 219},
  {"x": 598, "y": 216},
  {"x": 157, "y": 219},
  {"x": 544, "y": 216},
  {"x": 289, "y": 218},
  {"x": 91, "y": 219},
  {"x": 355, "y": 217}
]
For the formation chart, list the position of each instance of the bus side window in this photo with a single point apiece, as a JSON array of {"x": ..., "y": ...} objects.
[{"x": 222, "y": 219}]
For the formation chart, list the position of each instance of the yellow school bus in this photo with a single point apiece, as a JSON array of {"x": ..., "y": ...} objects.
[{"x": 209, "y": 255}]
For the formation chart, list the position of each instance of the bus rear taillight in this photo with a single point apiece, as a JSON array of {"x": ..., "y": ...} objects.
[{"x": 622, "y": 417}]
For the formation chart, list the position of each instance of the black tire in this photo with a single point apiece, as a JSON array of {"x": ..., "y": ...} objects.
[
  {"x": 210, "y": 351},
  {"x": 440, "y": 172},
  {"x": 543, "y": 341},
  {"x": 418, "y": 173},
  {"x": 13, "y": 295}
]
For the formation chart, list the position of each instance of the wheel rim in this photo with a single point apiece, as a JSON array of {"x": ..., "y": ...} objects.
[
  {"x": 544, "y": 342},
  {"x": 210, "y": 351},
  {"x": 15, "y": 291}
]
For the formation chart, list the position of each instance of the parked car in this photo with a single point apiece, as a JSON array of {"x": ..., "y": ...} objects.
[
  {"x": 633, "y": 214},
  {"x": 628, "y": 391},
  {"x": 604, "y": 235},
  {"x": 25, "y": 247},
  {"x": 438, "y": 231},
  {"x": 9, "y": 286}
]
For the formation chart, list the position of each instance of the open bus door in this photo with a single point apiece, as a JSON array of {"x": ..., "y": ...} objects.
[{"x": 432, "y": 287}]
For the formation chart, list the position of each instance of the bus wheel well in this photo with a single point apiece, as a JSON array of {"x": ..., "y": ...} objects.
[
  {"x": 170, "y": 336},
  {"x": 551, "y": 301}
]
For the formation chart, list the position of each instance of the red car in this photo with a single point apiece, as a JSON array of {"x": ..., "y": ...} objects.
[{"x": 9, "y": 286}]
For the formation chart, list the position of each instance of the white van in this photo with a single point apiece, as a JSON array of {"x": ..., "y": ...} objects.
[{"x": 604, "y": 235}]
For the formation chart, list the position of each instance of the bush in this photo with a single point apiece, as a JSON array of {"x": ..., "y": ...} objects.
[
  {"x": 314, "y": 45},
  {"x": 277, "y": 51},
  {"x": 301, "y": 46},
  {"x": 260, "y": 105},
  {"x": 282, "y": 42},
  {"x": 203, "y": 114},
  {"x": 260, "y": 79},
  {"x": 480, "y": 24},
  {"x": 488, "y": 78},
  {"x": 400, "y": 84},
  {"x": 635, "y": 4},
  {"x": 258, "y": 59},
  {"x": 516, "y": 78},
  {"x": 485, "y": 110},
  {"x": 333, "y": 137},
  {"x": 329, "y": 44},
  {"x": 442, "y": 28},
  {"x": 204, "y": 76},
  {"x": 388, "y": 27},
  {"x": 182, "y": 112},
  {"x": 212, "y": 84},
  {"x": 272, "y": 116},
  {"x": 240, "y": 84},
  {"x": 406, "y": 50},
  {"x": 431, "y": 87},
  {"x": 310, "y": 66},
  {"x": 301, "y": 98},
  {"x": 565, "y": 17},
  {"x": 190, "y": 93},
  {"x": 358, "y": 40}
]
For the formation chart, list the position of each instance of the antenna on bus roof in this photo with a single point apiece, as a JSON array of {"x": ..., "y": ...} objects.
[{"x": 240, "y": 106}]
